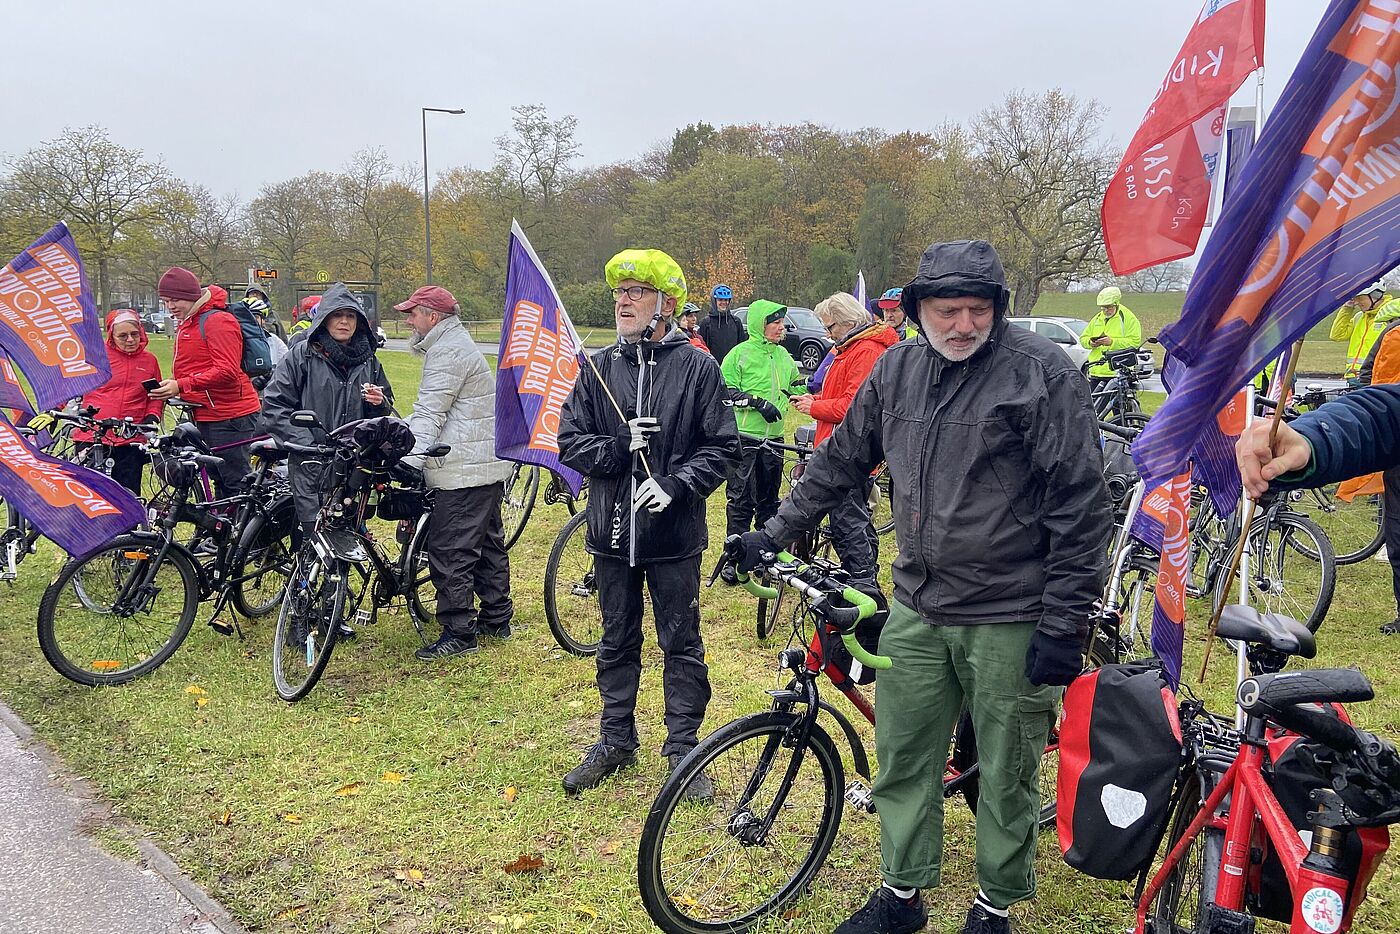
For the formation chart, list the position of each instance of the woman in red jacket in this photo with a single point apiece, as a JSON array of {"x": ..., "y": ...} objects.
[
  {"x": 123, "y": 396},
  {"x": 859, "y": 343}
]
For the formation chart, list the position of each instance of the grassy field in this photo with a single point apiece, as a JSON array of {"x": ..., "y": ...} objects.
[
  {"x": 1155, "y": 310},
  {"x": 395, "y": 796}
]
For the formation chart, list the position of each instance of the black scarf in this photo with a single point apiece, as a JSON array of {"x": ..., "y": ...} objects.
[{"x": 345, "y": 357}]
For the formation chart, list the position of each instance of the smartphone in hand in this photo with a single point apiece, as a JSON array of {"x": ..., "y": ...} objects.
[{"x": 150, "y": 385}]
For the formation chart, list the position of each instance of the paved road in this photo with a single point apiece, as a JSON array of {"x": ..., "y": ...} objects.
[
  {"x": 55, "y": 879},
  {"x": 1155, "y": 383}
]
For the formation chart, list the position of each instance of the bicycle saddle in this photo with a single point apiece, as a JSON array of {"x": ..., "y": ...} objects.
[{"x": 1272, "y": 630}]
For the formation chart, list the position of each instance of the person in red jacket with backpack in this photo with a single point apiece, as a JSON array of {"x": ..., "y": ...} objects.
[
  {"x": 123, "y": 396},
  {"x": 859, "y": 343},
  {"x": 208, "y": 369}
]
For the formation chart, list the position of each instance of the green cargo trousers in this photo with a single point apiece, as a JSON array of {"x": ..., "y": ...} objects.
[{"x": 935, "y": 670}]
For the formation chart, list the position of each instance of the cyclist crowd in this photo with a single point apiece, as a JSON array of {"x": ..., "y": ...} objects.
[{"x": 986, "y": 431}]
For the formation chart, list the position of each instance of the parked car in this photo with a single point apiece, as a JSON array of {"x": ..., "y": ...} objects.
[
  {"x": 156, "y": 322},
  {"x": 806, "y": 339},
  {"x": 1066, "y": 332}
]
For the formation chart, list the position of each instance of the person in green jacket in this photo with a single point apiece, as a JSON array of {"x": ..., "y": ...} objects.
[
  {"x": 761, "y": 376},
  {"x": 1355, "y": 323},
  {"x": 1113, "y": 328}
]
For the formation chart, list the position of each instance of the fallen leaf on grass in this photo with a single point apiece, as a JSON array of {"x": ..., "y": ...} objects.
[
  {"x": 609, "y": 848},
  {"x": 201, "y": 701},
  {"x": 292, "y": 818},
  {"x": 791, "y": 914},
  {"x": 411, "y": 877},
  {"x": 350, "y": 790},
  {"x": 392, "y": 778},
  {"x": 525, "y": 863},
  {"x": 511, "y": 922},
  {"x": 291, "y": 912},
  {"x": 352, "y": 719},
  {"x": 196, "y": 690},
  {"x": 511, "y": 793},
  {"x": 587, "y": 911},
  {"x": 224, "y": 819}
]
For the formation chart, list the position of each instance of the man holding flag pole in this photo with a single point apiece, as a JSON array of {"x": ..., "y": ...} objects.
[{"x": 646, "y": 422}]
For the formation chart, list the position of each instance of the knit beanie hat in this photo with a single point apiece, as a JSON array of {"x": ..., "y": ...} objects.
[{"x": 180, "y": 284}]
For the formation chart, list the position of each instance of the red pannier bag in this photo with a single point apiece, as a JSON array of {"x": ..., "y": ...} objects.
[{"x": 1120, "y": 749}]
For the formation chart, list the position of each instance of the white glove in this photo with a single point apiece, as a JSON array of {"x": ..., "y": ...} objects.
[
  {"x": 650, "y": 496},
  {"x": 642, "y": 428}
]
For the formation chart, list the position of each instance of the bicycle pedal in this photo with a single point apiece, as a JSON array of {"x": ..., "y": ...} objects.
[
  {"x": 365, "y": 618},
  {"x": 223, "y": 629},
  {"x": 859, "y": 797}
]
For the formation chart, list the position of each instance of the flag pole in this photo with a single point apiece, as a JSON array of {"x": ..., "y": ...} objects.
[{"x": 1233, "y": 567}]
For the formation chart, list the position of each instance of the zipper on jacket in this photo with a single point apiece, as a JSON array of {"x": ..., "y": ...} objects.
[{"x": 923, "y": 469}]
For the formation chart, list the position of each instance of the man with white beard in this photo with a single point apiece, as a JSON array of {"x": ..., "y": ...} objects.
[{"x": 1002, "y": 518}]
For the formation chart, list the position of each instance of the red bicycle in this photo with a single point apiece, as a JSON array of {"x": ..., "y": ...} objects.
[{"x": 1227, "y": 821}]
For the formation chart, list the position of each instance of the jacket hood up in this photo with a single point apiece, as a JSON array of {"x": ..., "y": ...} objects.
[
  {"x": 117, "y": 316},
  {"x": 757, "y": 313},
  {"x": 961, "y": 267},
  {"x": 338, "y": 298}
]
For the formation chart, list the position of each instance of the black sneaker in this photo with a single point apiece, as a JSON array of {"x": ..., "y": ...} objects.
[
  {"x": 886, "y": 913},
  {"x": 701, "y": 787},
  {"x": 500, "y": 633},
  {"x": 344, "y": 632},
  {"x": 981, "y": 921},
  {"x": 447, "y": 646},
  {"x": 1392, "y": 628},
  {"x": 598, "y": 763}
]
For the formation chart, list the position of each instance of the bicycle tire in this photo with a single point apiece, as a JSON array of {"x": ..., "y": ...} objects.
[
  {"x": 308, "y": 623},
  {"x": 781, "y": 863},
  {"x": 419, "y": 582},
  {"x": 767, "y": 614},
  {"x": 577, "y": 619},
  {"x": 1137, "y": 595},
  {"x": 521, "y": 489},
  {"x": 116, "y": 638},
  {"x": 1356, "y": 529},
  {"x": 262, "y": 575},
  {"x": 1191, "y": 883},
  {"x": 882, "y": 498},
  {"x": 1271, "y": 541}
]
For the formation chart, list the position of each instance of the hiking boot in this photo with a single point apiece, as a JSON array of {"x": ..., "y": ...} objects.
[
  {"x": 447, "y": 646},
  {"x": 886, "y": 913},
  {"x": 701, "y": 787},
  {"x": 1392, "y": 628},
  {"x": 729, "y": 574},
  {"x": 500, "y": 633},
  {"x": 981, "y": 921},
  {"x": 598, "y": 763}
]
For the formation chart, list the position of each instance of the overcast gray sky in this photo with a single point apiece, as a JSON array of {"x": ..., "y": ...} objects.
[{"x": 238, "y": 95}]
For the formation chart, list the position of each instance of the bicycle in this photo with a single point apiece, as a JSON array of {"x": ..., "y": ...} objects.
[
  {"x": 130, "y": 591},
  {"x": 1116, "y": 399},
  {"x": 1356, "y": 526},
  {"x": 521, "y": 489},
  {"x": 364, "y": 464},
  {"x": 768, "y": 811},
  {"x": 1225, "y": 816},
  {"x": 810, "y": 546}
]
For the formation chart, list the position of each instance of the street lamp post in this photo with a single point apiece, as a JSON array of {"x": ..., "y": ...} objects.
[{"x": 427, "y": 223}]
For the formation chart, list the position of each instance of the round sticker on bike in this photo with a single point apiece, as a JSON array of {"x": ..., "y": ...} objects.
[{"x": 1322, "y": 910}]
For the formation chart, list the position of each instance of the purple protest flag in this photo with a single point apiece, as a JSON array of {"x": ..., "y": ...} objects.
[
  {"x": 79, "y": 509},
  {"x": 859, "y": 290},
  {"x": 1313, "y": 218},
  {"x": 12, "y": 394},
  {"x": 48, "y": 322},
  {"x": 539, "y": 357}
]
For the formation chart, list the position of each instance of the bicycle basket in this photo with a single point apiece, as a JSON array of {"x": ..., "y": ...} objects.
[{"x": 1122, "y": 359}]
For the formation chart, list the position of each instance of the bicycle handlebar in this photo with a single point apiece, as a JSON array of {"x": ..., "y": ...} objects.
[
  {"x": 843, "y": 618},
  {"x": 1127, "y": 434}
]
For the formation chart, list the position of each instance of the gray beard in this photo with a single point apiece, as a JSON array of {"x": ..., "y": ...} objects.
[{"x": 940, "y": 344}]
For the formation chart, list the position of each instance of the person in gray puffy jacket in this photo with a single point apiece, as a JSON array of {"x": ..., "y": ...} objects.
[{"x": 456, "y": 406}]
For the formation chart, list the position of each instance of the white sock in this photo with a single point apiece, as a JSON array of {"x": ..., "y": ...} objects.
[
  {"x": 987, "y": 905},
  {"x": 905, "y": 894}
]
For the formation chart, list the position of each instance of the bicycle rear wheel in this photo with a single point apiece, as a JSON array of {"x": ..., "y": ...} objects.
[
  {"x": 262, "y": 575},
  {"x": 571, "y": 590},
  {"x": 1355, "y": 528},
  {"x": 708, "y": 866},
  {"x": 1291, "y": 569},
  {"x": 1137, "y": 595},
  {"x": 418, "y": 579},
  {"x": 107, "y": 618},
  {"x": 308, "y": 623},
  {"x": 522, "y": 486}
]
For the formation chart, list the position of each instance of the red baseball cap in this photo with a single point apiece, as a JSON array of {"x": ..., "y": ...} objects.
[{"x": 434, "y": 296}]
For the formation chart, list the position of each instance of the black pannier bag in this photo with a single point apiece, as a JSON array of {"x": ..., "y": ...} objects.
[{"x": 1120, "y": 747}]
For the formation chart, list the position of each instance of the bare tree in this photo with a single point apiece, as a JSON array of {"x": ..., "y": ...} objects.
[
  {"x": 376, "y": 217},
  {"x": 100, "y": 189},
  {"x": 1164, "y": 277},
  {"x": 287, "y": 220},
  {"x": 536, "y": 159},
  {"x": 1039, "y": 173}
]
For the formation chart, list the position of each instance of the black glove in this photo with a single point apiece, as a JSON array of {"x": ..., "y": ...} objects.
[
  {"x": 406, "y": 474},
  {"x": 768, "y": 410},
  {"x": 754, "y": 550},
  {"x": 1054, "y": 659}
]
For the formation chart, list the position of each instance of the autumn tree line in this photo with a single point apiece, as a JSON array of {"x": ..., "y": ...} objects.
[{"x": 789, "y": 213}]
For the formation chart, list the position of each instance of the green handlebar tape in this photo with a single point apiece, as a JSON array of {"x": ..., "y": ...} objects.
[
  {"x": 757, "y": 589},
  {"x": 867, "y": 607}
]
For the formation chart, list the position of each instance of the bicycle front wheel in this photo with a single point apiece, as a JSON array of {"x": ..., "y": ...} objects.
[
  {"x": 521, "y": 488},
  {"x": 308, "y": 623},
  {"x": 571, "y": 590},
  {"x": 722, "y": 864},
  {"x": 418, "y": 578},
  {"x": 1292, "y": 569},
  {"x": 1190, "y": 885},
  {"x": 262, "y": 576},
  {"x": 1355, "y": 528},
  {"x": 111, "y": 617}
]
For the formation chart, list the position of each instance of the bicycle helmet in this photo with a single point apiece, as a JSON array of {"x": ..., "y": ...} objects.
[
  {"x": 1112, "y": 295},
  {"x": 890, "y": 299},
  {"x": 690, "y": 309},
  {"x": 722, "y": 292},
  {"x": 653, "y": 267}
]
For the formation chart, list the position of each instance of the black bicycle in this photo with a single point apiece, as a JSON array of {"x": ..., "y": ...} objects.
[{"x": 343, "y": 564}]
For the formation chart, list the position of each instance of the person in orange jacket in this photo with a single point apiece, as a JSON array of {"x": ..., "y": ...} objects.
[
  {"x": 123, "y": 396},
  {"x": 1381, "y": 368}
]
